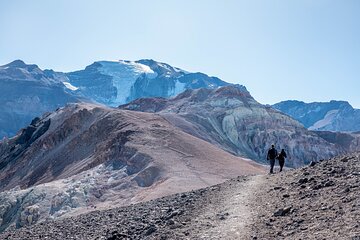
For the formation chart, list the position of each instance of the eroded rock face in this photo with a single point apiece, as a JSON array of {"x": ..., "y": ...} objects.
[
  {"x": 87, "y": 156},
  {"x": 230, "y": 118},
  {"x": 349, "y": 142}
]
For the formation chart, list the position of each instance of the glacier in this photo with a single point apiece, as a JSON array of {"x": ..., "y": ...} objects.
[{"x": 124, "y": 74}]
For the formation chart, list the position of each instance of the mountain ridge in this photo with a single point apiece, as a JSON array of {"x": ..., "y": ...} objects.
[
  {"x": 29, "y": 92},
  {"x": 124, "y": 81},
  {"x": 232, "y": 119},
  {"x": 107, "y": 82},
  {"x": 337, "y": 116}
]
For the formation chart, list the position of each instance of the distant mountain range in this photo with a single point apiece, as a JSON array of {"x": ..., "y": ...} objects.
[
  {"x": 323, "y": 116},
  {"x": 30, "y": 91}
]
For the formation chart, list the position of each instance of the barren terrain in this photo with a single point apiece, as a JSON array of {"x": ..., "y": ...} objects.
[
  {"x": 86, "y": 156},
  {"x": 320, "y": 201}
]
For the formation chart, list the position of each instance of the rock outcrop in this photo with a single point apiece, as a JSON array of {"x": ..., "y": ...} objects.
[{"x": 348, "y": 142}]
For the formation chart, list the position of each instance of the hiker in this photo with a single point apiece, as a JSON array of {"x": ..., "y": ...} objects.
[
  {"x": 272, "y": 154},
  {"x": 281, "y": 158}
]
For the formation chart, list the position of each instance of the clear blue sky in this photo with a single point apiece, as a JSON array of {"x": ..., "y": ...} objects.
[{"x": 306, "y": 50}]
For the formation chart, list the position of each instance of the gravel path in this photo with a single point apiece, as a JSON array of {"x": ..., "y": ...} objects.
[{"x": 229, "y": 215}]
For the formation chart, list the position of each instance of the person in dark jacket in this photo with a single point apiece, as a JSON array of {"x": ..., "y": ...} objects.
[
  {"x": 281, "y": 158},
  {"x": 272, "y": 154}
]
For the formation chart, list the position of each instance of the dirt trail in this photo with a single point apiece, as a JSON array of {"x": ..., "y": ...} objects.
[{"x": 229, "y": 215}]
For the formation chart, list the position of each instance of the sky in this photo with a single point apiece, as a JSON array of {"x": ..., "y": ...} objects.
[{"x": 305, "y": 50}]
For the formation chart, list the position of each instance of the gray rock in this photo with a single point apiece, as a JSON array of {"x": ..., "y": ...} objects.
[{"x": 282, "y": 211}]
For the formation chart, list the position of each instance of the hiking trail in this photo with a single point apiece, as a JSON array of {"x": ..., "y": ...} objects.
[{"x": 229, "y": 212}]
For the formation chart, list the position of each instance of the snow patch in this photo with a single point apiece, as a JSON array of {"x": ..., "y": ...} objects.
[
  {"x": 70, "y": 86},
  {"x": 317, "y": 109},
  {"x": 179, "y": 88},
  {"x": 329, "y": 117}
]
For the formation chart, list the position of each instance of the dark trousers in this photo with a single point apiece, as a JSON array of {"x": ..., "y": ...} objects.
[
  {"x": 281, "y": 163},
  {"x": 272, "y": 163}
]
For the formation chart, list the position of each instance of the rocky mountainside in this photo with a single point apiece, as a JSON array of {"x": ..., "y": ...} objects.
[
  {"x": 86, "y": 156},
  {"x": 350, "y": 142},
  {"x": 118, "y": 82},
  {"x": 27, "y": 92},
  {"x": 323, "y": 116},
  {"x": 230, "y": 118},
  {"x": 319, "y": 201}
]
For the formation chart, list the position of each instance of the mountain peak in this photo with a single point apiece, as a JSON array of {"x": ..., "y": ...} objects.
[
  {"x": 21, "y": 64},
  {"x": 233, "y": 90},
  {"x": 17, "y": 63},
  {"x": 341, "y": 103},
  {"x": 228, "y": 91}
]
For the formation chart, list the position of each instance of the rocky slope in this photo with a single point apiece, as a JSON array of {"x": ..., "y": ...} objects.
[
  {"x": 87, "y": 156},
  {"x": 27, "y": 92},
  {"x": 323, "y": 116},
  {"x": 232, "y": 119},
  {"x": 118, "y": 82},
  {"x": 315, "y": 202},
  {"x": 350, "y": 142}
]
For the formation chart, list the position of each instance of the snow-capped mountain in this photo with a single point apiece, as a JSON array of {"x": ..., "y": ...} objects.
[
  {"x": 118, "y": 82},
  {"x": 30, "y": 91},
  {"x": 27, "y": 92},
  {"x": 323, "y": 116}
]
